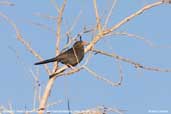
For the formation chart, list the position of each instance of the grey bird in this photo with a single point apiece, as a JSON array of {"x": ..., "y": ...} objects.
[{"x": 71, "y": 57}]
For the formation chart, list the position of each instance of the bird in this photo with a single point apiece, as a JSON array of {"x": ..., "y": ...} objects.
[{"x": 70, "y": 57}]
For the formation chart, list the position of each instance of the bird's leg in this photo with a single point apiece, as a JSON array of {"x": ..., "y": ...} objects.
[{"x": 70, "y": 66}]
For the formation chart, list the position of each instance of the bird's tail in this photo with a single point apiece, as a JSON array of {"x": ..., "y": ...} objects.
[{"x": 47, "y": 61}]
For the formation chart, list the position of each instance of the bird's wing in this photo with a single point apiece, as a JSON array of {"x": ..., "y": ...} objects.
[{"x": 65, "y": 54}]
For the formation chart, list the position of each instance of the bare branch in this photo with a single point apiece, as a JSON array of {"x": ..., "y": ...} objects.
[
  {"x": 46, "y": 94},
  {"x": 109, "y": 14},
  {"x": 50, "y": 82},
  {"x": 75, "y": 22},
  {"x": 145, "y": 8},
  {"x": 58, "y": 32},
  {"x": 97, "y": 37},
  {"x": 33, "y": 75},
  {"x": 136, "y": 64},
  {"x": 68, "y": 73},
  {"x": 108, "y": 109},
  {"x": 97, "y": 16},
  {"x": 101, "y": 110},
  {"x": 93, "y": 111},
  {"x": 24, "y": 42},
  {"x": 10, "y": 107},
  {"x": 166, "y": 1},
  {"x": 6, "y": 3},
  {"x": 102, "y": 78},
  {"x": 146, "y": 41},
  {"x": 59, "y": 22},
  {"x": 45, "y": 16},
  {"x": 3, "y": 110},
  {"x": 47, "y": 91},
  {"x": 54, "y": 103},
  {"x": 43, "y": 26},
  {"x": 100, "y": 35},
  {"x": 56, "y": 5},
  {"x": 120, "y": 72},
  {"x": 37, "y": 87}
]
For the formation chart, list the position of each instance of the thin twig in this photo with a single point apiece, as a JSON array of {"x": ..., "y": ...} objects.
[
  {"x": 10, "y": 108},
  {"x": 6, "y": 3},
  {"x": 101, "y": 77},
  {"x": 24, "y": 42},
  {"x": 97, "y": 16},
  {"x": 166, "y": 1},
  {"x": 101, "y": 110},
  {"x": 45, "y": 16},
  {"x": 136, "y": 64},
  {"x": 54, "y": 103},
  {"x": 58, "y": 32},
  {"x": 34, "y": 76},
  {"x": 55, "y": 5},
  {"x": 120, "y": 72},
  {"x": 146, "y": 41},
  {"x": 109, "y": 14},
  {"x": 43, "y": 26},
  {"x": 74, "y": 70},
  {"x": 36, "y": 89},
  {"x": 108, "y": 109},
  {"x": 145, "y": 8},
  {"x": 75, "y": 22},
  {"x": 3, "y": 110}
]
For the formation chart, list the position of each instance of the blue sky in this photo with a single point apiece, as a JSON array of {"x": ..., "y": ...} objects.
[{"x": 140, "y": 91}]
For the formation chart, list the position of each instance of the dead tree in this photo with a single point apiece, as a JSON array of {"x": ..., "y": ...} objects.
[{"x": 101, "y": 31}]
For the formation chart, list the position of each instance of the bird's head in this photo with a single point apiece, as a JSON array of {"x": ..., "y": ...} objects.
[{"x": 80, "y": 44}]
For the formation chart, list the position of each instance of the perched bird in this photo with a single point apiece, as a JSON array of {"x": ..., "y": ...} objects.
[{"x": 70, "y": 57}]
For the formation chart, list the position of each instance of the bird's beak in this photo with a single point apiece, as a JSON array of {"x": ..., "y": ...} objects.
[{"x": 84, "y": 43}]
